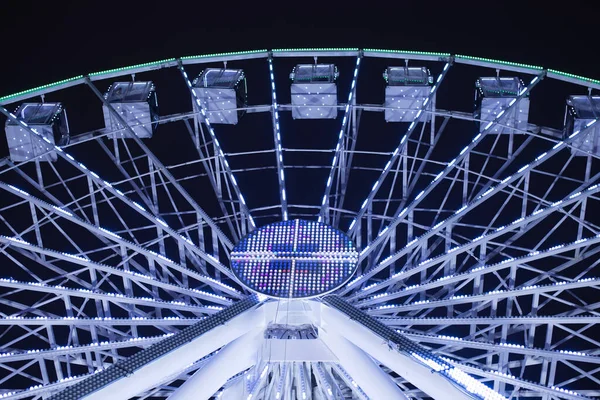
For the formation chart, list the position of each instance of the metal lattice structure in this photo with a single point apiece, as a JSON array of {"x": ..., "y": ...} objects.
[{"x": 476, "y": 225}]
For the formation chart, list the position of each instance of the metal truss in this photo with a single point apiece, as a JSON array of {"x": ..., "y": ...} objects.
[{"x": 479, "y": 251}]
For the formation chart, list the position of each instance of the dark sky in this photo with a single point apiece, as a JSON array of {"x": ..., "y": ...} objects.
[{"x": 48, "y": 41}]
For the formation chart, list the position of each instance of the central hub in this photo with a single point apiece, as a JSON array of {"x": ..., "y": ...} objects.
[{"x": 294, "y": 259}]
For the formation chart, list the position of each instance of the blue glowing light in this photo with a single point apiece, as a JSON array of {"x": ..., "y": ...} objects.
[{"x": 294, "y": 259}]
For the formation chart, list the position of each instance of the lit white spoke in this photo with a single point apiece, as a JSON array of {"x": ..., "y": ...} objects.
[
  {"x": 340, "y": 148},
  {"x": 96, "y": 321},
  {"x": 117, "y": 298},
  {"x": 277, "y": 140},
  {"x": 74, "y": 350},
  {"x": 516, "y": 320},
  {"x": 132, "y": 204},
  {"x": 455, "y": 342},
  {"x": 155, "y": 163},
  {"x": 486, "y": 297},
  {"x": 520, "y": 383}
]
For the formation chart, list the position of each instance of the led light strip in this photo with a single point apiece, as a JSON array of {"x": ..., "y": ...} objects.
[
  {"x": 70, "y": 349},
  {"x": 323, "y": 378},
  {"x": 254, "y": 386},
  {"x": 58, "y": 289},
  {"x": 224, "y": 56},
  {"x": 198, "y": 104},
  {"x": 398, "y": 150},
  {"x": 349, "y": 381},
  {"x": 281, "y": 381},
  {"x": 488, "y": 296},
  {"x": 516, "y": 348},
  {"x": 278, "y": 148},
  {"x": 338, "y": 147},
  {"x": 408, "y": 52},
  {"x": 97, "y": 321}
]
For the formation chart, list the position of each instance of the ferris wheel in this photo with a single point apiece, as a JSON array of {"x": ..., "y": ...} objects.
[{"x": 302, "y": 224}]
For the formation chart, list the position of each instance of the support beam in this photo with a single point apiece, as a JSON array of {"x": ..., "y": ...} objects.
[
  {"x": 234, "y": 358},
  {"x": 138, "y": 278},
  {"x": 277, "y": 140},
  {"x": 234, "y": 390},
  {"x": 149, "y": 367},
  {"x": 430, "y": 373},
  {"x": 418, "y": 374},
  {"x": 108, "y": 236},
  {"x": 366, "y": 373},
  {"x": 471, "y": 273}
]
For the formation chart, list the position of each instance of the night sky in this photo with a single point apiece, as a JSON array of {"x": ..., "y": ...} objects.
[{"x": 48, "y": 41}]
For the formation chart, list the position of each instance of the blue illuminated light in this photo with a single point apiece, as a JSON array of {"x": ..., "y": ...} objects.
[{"x": 294, "y": 259}]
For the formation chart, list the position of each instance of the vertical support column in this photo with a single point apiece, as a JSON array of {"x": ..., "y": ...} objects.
[
  {"x": 234, "y": 358},
  {"x": 368, "y": 375}
]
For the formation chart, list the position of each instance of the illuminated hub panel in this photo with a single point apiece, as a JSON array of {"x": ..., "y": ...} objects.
[
  {"x": 222, "y": 93},
  {"x": 47, "y": 119},
  {"x": 406, "y": 91},
  {"x": 493, "y": 95},
  {"x": 314, "y": 91},
  {"x": 294, "y": 259},
  {"x": 136, "y": 103},
  {"x": 582, "y": 110}
]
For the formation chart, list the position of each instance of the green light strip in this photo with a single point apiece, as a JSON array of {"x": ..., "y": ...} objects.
[
  {"x": 422, "y": 53},
  {"x": 581, "y": 78},
  {"x": 234, "y": 53},
  {"x": 490, "y": 60},
  {"x": 317, "y": 49},
  {"x": 349, "y": 49},
  {"x": 35, "y": 89},
  {"x": 149, "y": 64}
]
